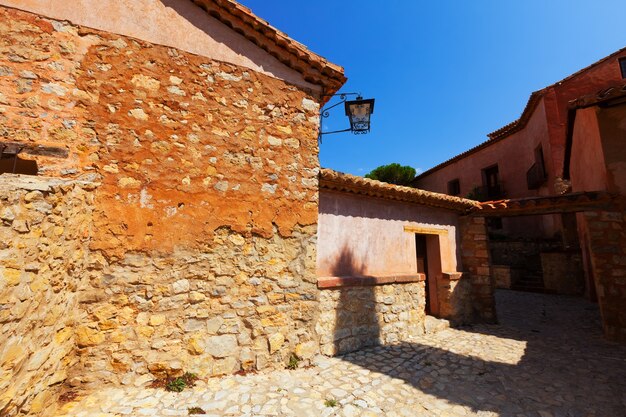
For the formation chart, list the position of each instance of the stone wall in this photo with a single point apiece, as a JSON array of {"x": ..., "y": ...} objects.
[
  {"x": 355, "y": 317},
  {"x": 502, "y": 275},
  {"x": 44, "y": 230},
  {"x": 477, "y": 265},
  {"x": 242, "y": 303},
  {"x": 563, "y": 272},
  {"x": 523, "y": 254},
  {"x": 606, "y": 246},
  {"x": 202, "y": 240},
  {"x": 455, "y": 297},
  {"x": 182, "y": 144}
]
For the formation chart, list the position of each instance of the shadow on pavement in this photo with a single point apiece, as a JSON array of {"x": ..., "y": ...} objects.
[{"x": 546, "y": 358}]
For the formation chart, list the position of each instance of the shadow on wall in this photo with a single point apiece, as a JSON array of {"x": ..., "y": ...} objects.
[
  {"x": 224, "y": 35},
  {"x": 356, "y": 316},
  {"x": 338, "y": 204},
  {"x": 527, "y": 364}
]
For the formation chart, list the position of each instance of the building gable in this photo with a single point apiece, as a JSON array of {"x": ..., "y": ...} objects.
[{"x": 218, "y": 29}]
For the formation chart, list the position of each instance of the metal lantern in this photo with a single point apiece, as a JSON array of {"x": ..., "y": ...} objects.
[{"x": 359, "y": 112}]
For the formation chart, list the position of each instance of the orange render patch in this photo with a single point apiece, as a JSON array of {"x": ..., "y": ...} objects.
[{"x": 181, "y": 144}]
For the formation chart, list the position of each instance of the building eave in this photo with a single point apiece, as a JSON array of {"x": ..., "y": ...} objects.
[
  {"x": 338, "y": 181},
  {"x": 313, "y": 67}
]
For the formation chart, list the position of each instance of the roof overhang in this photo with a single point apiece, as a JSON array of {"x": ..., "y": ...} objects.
[
  {"x": 338, "y": 181},
  {"x": 567, "y": 203},
  {"x": 314, "y": 68}
]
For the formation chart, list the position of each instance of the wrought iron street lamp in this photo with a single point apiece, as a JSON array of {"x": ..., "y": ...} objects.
[{"x": 359, "y": 112}]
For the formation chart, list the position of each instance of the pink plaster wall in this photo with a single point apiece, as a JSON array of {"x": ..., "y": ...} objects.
[
  {"x": 612, "y": 122},
  {"x": 514, "y": 156},
  {"x": 176, "y": 23},
  {"x": 587, "y": 169},
  {"x": 515, "y": 153},
  {"x": 360, "y": 235},
  {"x": 590, "y": 81}
]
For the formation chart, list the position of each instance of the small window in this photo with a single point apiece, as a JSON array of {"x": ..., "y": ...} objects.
[
  {"x": 540, "y": 162},
  {"x": 491, "y": 183},
  {"x": 622, "y": 66},
  {"x": 454, "y": 187},
  {"x": 536, "y": 176},
  {"x": 11, "y": 163}
]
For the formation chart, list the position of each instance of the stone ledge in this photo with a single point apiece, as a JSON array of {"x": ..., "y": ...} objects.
[
  {"x": 452, "y": 276},
  {"x": 41, "y": 183},
  {"x": 364, "y": 281}
]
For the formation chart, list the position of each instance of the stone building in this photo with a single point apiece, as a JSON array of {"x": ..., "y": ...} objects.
[
  {"x": 389, "y": 255},
  {"x": 160, "y": 194},
  {"x": 595, "y": 161},
  {"x": 526, "y": 159},
  {"x": 160, "y": 198},
  {"x": 172, "y": 222}
]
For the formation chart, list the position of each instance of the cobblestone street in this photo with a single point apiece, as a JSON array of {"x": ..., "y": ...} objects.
[{"x": 546, "y": 359}]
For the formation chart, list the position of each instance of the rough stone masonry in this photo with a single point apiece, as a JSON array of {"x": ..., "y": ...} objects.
[{"x": 194, "y": 247}]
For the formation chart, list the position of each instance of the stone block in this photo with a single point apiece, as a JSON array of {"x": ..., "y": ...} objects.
[
  {"x": 275, "y": 342},
  {"x": 307, "y": 350},
  {"x": 221, "y": 346}
]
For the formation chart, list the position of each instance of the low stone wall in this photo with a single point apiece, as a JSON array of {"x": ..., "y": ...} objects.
[
  {"x": 522, "y": 254},
  {"x": 44, "y": 229},
  {"x": 455, "y": 298},
  {"x": 477, "y": 265},
  {"x": 355, "y": 317},
  {"x": 606, "y": 243}
]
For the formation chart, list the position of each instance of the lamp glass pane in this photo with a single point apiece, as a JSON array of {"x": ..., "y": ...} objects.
[{"x": 360, "y": 116}]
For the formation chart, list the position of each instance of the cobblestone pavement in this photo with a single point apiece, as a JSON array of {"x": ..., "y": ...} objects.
[{"x": 545, "y": 359}]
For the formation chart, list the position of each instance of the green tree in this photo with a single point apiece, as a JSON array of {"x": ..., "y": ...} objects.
[{"x": 393, "y": 174}]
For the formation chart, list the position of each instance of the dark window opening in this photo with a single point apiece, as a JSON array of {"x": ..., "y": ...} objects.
[
  {"x": 454, "y": 187},
  {"x": 537, "y": 175},
  {"x": 13, "y": 164},
  {"x": 622, "y": 66},
  {"x": 491, "y": 183}
]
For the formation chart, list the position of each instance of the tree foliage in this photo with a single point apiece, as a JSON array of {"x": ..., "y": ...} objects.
[{"x": 393, "y": 174}]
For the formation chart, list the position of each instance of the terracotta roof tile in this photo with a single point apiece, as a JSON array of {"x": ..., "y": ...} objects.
[
  {"x": 338, "y": 181},
  {"x": 313, "y": 67},
  {"x": 519, "y": 124},
  {"x": 548, "y": 204}
]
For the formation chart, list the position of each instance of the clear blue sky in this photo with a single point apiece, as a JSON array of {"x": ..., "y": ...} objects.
[{"x": 444, "y": 73}]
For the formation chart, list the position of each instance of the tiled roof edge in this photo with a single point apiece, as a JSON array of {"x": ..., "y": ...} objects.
[
  {"x": 338, "y": 181},
  {"x": 314, "y": 68}
]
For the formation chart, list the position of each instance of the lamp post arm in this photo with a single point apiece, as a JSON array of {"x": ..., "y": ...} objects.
[
  {"x": 325, "y": 112},
  {"x": 343, "y": 97},
  {"x": 336, "y": 131}
]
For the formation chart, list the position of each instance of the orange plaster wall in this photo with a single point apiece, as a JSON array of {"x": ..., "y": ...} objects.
[{"x": 182, "y": 144}]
